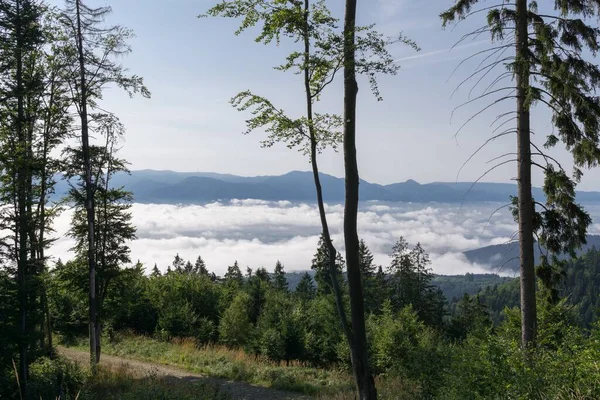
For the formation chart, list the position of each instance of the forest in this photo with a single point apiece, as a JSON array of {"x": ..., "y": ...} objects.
[{"x": 351, "y": 329}]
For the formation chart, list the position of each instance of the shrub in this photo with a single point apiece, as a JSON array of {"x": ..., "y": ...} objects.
[
  {"x": 402, "y": 345},
  {"x": 55, "y": 378},
  {"x": 236, "y": 329}
]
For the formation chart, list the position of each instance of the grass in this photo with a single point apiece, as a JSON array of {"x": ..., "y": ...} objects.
[
  {"x": 117, "y": 384},
  {"x": 221, "y": 362},
  {"x": 61, "y": 379}
]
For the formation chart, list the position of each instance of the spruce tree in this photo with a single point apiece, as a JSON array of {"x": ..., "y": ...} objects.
[
  {"x": 305, "y": 290},
  {"x": 280, "y": 282},
  {"x": 200, "y": 267},
  {"x": 547, "y": 62},
  {"x": 22, "y": 35},
  {"x": 91, "y": 52}
]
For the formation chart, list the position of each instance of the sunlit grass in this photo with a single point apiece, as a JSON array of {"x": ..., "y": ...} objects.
[{"x": 222, "y": 362}]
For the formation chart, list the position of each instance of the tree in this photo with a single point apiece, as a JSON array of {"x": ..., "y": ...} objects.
[
  {"x": 548, "y": 68},
  {"x": 113, "y": 220},
  {"x": 368, "y": 274},
  {"x": 319, "y": 57},
  {"x": 91, "y": 51},
  {"x": 200, "y": 267},
  {"x": 306, "y": 289},
  {"x": 178, "y": 264},
  {"x": 321, "y": 264},
  {"x": 410, "y": 284},
  {"x": 23, "y": 35},
  {"x": 280, "y": 282},
  {"x": 360, "y": 358},
  {"x": 234, "y": 274},
  {"x": 155, "y": 271}
]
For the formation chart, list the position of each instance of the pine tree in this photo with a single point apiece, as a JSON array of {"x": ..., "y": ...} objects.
[
  {"x": 280, "y": 282},
  {"x": 306, "y": 290},
  {"x": 178, "y": 264},
  {"x": 113, "y": 228},
  {"x": 22, "y": 35},
  {"x": 368, "y": 269},
  {"x": 549, "y": 69},
  {"x": 321, "y": 264},
  {"x": 200, "y": 267},
  {"x": 234, "y": 275},
  {"x": 155, "y": 271},
  {"x": 188, "y": 268},
  {"x": 263, "y": 275}
]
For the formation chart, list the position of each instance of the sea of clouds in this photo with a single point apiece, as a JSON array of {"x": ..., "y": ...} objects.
[{"x": 258, "y": 233}]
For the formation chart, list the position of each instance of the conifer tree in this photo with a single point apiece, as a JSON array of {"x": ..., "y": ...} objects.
[
  {"x": 200, "y": 267},
  {"x": 306, "y": 289},
  {"x": 546, "y": 61},
  {"x": 113, "y": 220},
  {"x": 92, "y": 51},
  {"x": 280, "y": 282},
  {"x": 22, "y": 36},
  {"x": 155, "y": 271}
]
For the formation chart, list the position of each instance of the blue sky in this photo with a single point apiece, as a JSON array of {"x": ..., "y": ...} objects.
[{"x": 194, "y": 66}]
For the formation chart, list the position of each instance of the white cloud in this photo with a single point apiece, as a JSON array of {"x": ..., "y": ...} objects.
[{"x": 258, "y": 233}]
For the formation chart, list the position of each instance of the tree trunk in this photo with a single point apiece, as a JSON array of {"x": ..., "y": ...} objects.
[
  {"x": 526, "y": 207},
  {"x": 360, "y": 358},
  {"x": 22, "y": 226},
  {"x": 332, "y": 252},
  {"x": 89, "y": 192}
]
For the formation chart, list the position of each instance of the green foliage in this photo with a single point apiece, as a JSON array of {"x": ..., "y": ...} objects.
[
  {"x": 403, "y": 345},
  {"x": 410, "y": 283},
  {"x": 235, "y": 328},
  {"x": 280, "y": 329},
  {"x": 188, "y": 305},
  {"x": 305, "y": 290},
  {"x": 54, "y": 378},
  {"x": 320, "y": 264}
]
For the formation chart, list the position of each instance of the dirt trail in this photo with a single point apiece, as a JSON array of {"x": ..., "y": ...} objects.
[{"x": 237, "y": 390}]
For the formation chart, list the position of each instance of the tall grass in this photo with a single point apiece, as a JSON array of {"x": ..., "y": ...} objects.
[
  {"x": 117, "y": 383},
  {"x": 222, "y": 362}
]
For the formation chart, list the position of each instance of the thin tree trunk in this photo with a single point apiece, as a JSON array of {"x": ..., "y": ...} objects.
[
  {"x": 89, "y": 192},
  {"x": 528, "y": 306},
  {"x": 332, "y": 252},
  {"x": 360, "y": 360},
  {"x": 22, "y": 226}
]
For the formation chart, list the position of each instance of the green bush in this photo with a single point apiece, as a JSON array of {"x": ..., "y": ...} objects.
[
  {"x": 403, "y": 345},
  {"x": 54, "y": 378},
  {"x": 236, "y": 329}
]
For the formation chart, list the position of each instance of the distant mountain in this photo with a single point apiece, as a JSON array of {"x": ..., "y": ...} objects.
[
  {"x": 505, "y": 257},
  {"x": 169, "y": 187}
]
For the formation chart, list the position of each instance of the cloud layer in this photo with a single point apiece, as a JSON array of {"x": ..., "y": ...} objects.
[{"x": 258, "y": 233}]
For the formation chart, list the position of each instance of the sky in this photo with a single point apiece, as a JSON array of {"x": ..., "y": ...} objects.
[{"x": 194, "y": 66}]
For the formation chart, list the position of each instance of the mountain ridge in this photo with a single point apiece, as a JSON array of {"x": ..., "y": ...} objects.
[{"x": 170, "y": 187}]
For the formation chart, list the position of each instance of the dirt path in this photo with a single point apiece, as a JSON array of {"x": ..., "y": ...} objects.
[{"x": 237, "y": 390}]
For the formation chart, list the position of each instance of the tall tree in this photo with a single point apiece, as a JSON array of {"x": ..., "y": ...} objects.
[
  {"x": 113, "y": 229},
  {"x": 319, "y": 57},
  {"x": 21, "y": 35},
  {"x": 549, "y": 68},
  {"x": 360, "y": 357},
  {"x": 93, "y": 50}
]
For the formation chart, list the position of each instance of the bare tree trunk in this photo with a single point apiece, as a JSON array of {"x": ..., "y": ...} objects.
[
  {"x": 528, "y": 306},
  {"x": 360, "y": 357},
  {"x": 89, "y": 192},
  {"x": 331, "y": 250}
]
